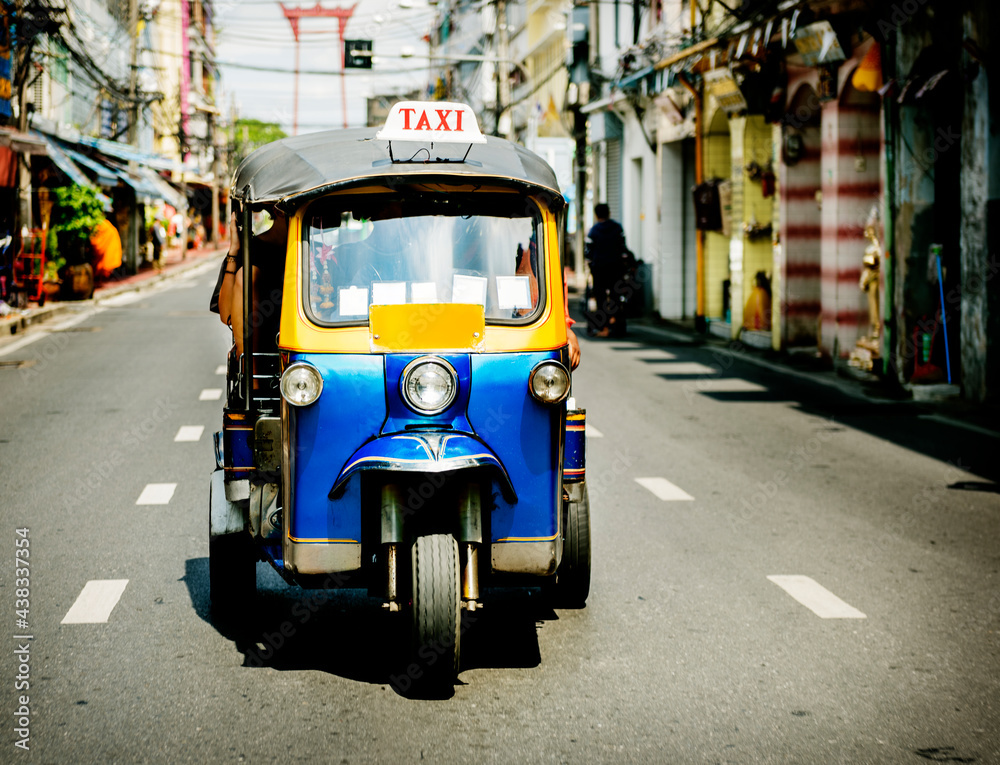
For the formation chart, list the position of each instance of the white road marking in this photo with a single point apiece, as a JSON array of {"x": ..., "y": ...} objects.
[
  {"x": 591, "y": 432},
  {"x": 96, "y": 602},
  {"x": 664, "y": 490},
  {"x": 210, "y": 394},
  {"x": 816, "y": 598},
  {"x": 189, "y": 433},
  {"x": 36, "y": 336},
  {"x": 156, "y": 494},
  {"x": 221, "y": 369},
  {"x": 687, "y": 368}
]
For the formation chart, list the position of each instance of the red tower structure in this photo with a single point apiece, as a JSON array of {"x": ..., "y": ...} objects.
[{"x": 318, "y": 11}]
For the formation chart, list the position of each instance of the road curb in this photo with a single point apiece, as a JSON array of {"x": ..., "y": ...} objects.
[{"x": 16, "y": 324}]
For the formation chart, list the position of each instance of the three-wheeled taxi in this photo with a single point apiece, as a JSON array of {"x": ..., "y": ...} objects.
[{"x": 409, "y": 429}]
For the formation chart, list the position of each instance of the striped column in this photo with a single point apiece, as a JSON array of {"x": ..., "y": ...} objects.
[
  {"x": 801, "y": 237},
  {"x": 851, "y": 185}
]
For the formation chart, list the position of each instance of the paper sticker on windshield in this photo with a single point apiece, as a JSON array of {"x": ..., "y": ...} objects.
[
  {"x": 388, "y": 293},
  {"x": 424, "y": 292},
  {"x": 469, "y": 289},
  {"x": 437, "y": 121},
  {"x": 513, "y": 292},
  {"x": 354, "y": 301}
]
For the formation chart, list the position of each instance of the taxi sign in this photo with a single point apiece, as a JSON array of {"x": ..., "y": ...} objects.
[{"x": 437, "y": 121}]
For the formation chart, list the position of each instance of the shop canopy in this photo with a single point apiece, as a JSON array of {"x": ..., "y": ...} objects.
[{"x": 64, "y": 163}]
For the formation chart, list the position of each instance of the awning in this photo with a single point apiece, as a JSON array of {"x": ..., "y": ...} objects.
[
  {"x": 166, "y": 192},
  {"x": 123, "y": 151},
  {"x": 138, "y": 181},
  {"x": 64, "y": 163},
  {"x": 105, "y": 175},
  {"x": 23, "y": 143}
]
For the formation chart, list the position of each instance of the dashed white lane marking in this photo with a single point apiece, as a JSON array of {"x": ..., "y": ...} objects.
[
  {"x": 687, "y": 368},
  {"x": 664, "y": 490},
  {"x": 156, "y": 494},
  {"x": 816, "y": 598},
  {"x": 96, "y": 602},
  {"x": 221, "y": 369},
  {"x": 210, "y": 394},
  {"x": 189, "y": 433},
  {"x": 591, "y": 432}
]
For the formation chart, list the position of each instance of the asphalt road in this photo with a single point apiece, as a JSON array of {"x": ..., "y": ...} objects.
[{"x": 686, "y": 653}]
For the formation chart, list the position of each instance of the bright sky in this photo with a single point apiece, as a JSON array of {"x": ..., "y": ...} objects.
[{"x": 255, "y": 33}]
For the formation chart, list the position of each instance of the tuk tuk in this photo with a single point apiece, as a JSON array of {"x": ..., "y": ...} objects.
[{"x": 410, "y": 428}]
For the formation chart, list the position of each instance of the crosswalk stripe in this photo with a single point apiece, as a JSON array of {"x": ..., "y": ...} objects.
[
  {"x": 156, "y": 494},
  {"x": 189, "y": 433},
  {"x": 664, "y": 490},
  {"x": 816, "y": 597},
  {"x": 591, "y": 432},
  {"x": 221, "y": 369},
  {"x": 210, "y": 394},
  {"x": 96, "y": 601}
]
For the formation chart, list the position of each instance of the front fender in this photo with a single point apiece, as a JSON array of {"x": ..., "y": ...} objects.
[{"x": 425, "y": 453}]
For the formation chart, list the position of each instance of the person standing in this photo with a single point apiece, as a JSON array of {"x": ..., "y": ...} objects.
[
  {"x": 159, "y": 237},
  {"x": 610, "y": 261}
]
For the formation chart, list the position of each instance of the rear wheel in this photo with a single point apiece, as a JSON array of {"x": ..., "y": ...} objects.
[
  {"x": 436, "y": 611},
  {"x": 572, "y": 585},
  {"x": 232, "y": 573}
]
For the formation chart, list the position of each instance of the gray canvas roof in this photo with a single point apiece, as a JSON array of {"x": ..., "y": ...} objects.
[{"x": 299, "y": 168}]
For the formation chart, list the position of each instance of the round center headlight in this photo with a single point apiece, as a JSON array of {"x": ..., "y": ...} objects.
[
  {"x": 301, "y": 384},
  {"x": 429, "y": 385},
  {"x": 549, "y": 382}
]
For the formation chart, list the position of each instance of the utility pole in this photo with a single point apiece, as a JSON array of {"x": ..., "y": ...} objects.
[
  {"x": 216, "y": 166},
  {"x": 22, "y": 66},
  {"x": 503, "y": 80},
  {"x": 131, "y": 237}
]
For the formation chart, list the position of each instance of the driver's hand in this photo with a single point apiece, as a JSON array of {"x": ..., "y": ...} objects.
[{"x": 574, "y": 349}]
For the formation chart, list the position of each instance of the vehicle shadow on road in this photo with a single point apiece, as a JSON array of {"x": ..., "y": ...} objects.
[{"x": 348, "y": 634}]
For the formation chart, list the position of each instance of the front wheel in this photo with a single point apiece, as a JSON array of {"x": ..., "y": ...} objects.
[
  {"x": 572, "y": 585},
  {"x": 436, "y": 611}
]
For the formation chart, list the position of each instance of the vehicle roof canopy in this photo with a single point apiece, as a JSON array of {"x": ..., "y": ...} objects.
[{"x": 293, "y": 170}]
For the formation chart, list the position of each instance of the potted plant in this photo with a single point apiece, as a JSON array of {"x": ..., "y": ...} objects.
[{"x": 77, "y": 212}]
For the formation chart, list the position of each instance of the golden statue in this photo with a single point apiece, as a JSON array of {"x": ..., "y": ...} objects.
[{"x": 869, "y": 281}]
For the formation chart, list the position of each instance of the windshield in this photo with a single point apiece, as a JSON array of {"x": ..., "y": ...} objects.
[{"x": 383, "y": 252}]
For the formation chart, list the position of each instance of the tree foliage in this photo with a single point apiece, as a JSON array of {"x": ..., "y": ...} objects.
[
  {"x": 250, "y": 135},
  {"x": 77, "y": 212}
]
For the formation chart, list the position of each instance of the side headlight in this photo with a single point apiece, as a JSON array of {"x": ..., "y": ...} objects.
[
  {"x": 549, "y": 382},
  {"x": 429, "y": 385},
  {"x": 301, "y": 384}
]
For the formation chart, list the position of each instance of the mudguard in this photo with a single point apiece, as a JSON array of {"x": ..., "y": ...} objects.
[{"x": 425, "y": 453}]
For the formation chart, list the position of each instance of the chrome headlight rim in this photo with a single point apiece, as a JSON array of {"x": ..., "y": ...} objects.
[
  {"x": 410, "y": 369},
  {"x": 286, "y": 375},
  {"x": 550, "y": 363}
]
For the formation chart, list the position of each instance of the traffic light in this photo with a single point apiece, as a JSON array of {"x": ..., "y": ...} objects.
[{"x": 357, "y": 54}]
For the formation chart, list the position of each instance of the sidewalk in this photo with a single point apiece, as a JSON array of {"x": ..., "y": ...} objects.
[
  {"x": 862, "y": 387},
  {"x": 175, "y": 262}
]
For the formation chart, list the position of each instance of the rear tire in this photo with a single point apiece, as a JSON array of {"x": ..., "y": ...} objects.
[
  {"x": 232, "y": 575},
  {"x": 572, "y": 585},
  {"x": 436, "y": 617}
]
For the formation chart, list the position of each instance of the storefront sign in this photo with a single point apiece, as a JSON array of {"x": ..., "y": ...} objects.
[
  {"x": 818, "y": 44},
  {"x": 720, "y": 83}
]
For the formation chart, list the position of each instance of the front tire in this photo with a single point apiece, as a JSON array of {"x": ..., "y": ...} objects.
[{"x": 436, "y": 610}]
